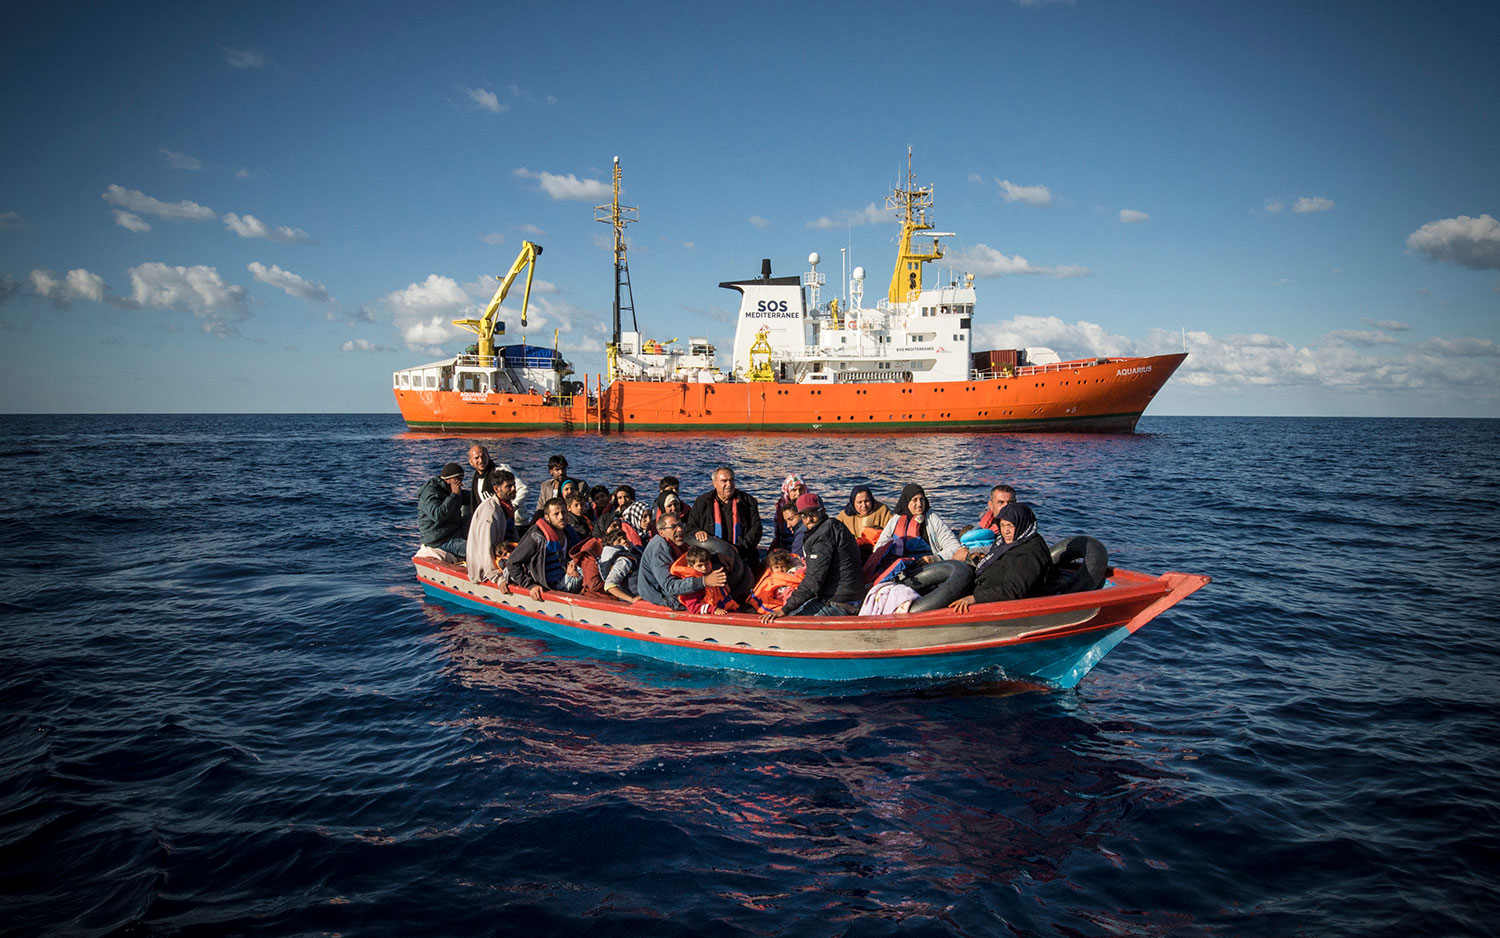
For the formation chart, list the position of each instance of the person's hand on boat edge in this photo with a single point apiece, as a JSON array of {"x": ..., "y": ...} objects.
[
  {"x": 536, "y": 593},
  {"x": 771, "y": 615},
  {"x": 961, "y": 604}
]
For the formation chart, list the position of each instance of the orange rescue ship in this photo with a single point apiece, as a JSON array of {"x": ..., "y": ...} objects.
[{"x": 904, "y": 365}]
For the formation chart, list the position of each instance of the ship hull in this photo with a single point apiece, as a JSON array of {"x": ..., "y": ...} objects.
[{"x": 1086, "y": 396}]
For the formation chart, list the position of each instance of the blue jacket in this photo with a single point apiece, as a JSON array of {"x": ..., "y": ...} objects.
[{"x": 656, "y": 581}]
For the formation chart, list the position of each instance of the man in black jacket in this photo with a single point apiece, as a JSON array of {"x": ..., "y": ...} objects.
[
  {"x": 726, "y": 512},
  {"x": 833, "y": 584}
]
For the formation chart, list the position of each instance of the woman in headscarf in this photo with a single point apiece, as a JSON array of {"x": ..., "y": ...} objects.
[
  {"x": 863, "y": 511},
  {"x": 792, "y": 488},
  {"x": 635, "y": 521},
  {"x": 1018, "y": 564},
  {"x": 919, "y": 531}
]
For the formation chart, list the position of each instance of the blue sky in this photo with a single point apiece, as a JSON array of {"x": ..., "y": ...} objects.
[{"x": 265, "y": 207}]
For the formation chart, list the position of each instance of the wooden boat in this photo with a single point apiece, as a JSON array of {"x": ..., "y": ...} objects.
[{"x": 1053, "y": 639}]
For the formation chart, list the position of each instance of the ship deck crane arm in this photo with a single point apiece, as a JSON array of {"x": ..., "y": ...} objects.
[{"x": 484, "y": 326}]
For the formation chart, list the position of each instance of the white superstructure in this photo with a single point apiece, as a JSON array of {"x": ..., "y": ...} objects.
[{"x": 923, "y": 339}]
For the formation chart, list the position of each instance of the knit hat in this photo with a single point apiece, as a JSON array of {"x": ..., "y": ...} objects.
[
  {"x": 807, "y": 501},
  {"x": 452, "y": 471}
]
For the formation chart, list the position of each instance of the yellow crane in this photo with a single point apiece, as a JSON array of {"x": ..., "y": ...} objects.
[{"x": 484, "y": 326}]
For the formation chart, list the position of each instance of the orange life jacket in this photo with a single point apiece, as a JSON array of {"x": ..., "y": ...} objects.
[
  {"x": 775, "y": 586},
  {"x": 715, "y": 597}
]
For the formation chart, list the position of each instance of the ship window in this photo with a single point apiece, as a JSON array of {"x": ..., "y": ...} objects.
[
  {"x": 406, "y": 381},
  {"x": 432, "y": 381},
  {"x": 964, "y": 323}
]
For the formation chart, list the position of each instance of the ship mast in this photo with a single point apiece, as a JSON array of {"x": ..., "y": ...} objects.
[
  {"x": 911, "y": 205},
  {"x": 618, "y": 216}
]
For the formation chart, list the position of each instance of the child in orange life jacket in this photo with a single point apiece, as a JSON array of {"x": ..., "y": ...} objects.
[
  {"x": 501, "y": 553},
  {"x": 710, "y": 600},
  {"x": 782, "y": 576}
]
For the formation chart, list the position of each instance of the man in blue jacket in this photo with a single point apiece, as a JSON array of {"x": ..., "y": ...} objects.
[
  {"x": 443, "y": 511},
  {"x": 656, "y": 582}
]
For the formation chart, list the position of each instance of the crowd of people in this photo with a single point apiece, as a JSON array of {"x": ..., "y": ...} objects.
[{"x": 706, "y": 557}]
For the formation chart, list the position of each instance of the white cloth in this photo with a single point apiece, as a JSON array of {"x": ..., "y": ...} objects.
[
  {"x": 482, "y": 542},
  {"x": 438, "y": 554},
  {"x": 889, "y": 598},
  {"x": 521, "y": 488}
]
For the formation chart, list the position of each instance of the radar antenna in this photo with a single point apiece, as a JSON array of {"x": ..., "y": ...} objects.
[{"x": 618, "y": 216}]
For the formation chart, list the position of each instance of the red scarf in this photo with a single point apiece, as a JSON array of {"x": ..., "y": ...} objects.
[{"x": 734, "y": 520}]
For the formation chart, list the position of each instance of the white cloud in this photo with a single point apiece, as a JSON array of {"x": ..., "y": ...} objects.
[
  {"x": 1469, "y": 242},
  {"x": 363, "y": 345},
  {"x": 12, "y": 220},
  {"x": 248, "y": 226},
  {"x": 1360, "y": 338},
  {"x": 245, "y": 58},
  {"x": 76, "y": 284},
  {"x": 198, "y": 290},
  {"x": 1307, "y": 205},
  {"x": 985, "y": 261},
  {"x": 423, "y": 313},
  {"x": 1130, "y": 216},
  {"x": 567, "y": 187},
  {"x": 871, "y": 214},
  {"x": 1275, "y": 206},
  {"x": 1466, "y": 347},
  {"x": 1259, "y": 361},
  {"x": 433, "y": 294},
  {"x": 181, "y": 160},
  {"x": 242, "y": 173},
  {"x": 493, "y": 238},
  {"x": 1389, "y": 325},
  {"x": 485, "y": 100},
  {"x": 759, "y": 222},
  {"x": 289, "y": 283},
  {"x": 8, "y": 287},
  {"x": 137, "y": 201},
  {"x": 1031, "y": 195},
  {"x": 532, "y": 230},
  {"x": 130, "y": 221}
]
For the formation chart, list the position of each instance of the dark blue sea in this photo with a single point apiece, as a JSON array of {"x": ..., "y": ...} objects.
[{"x": 227, "y": 709}]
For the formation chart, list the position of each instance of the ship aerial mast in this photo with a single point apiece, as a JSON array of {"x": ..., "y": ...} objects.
[
  {"x": 911, "y": 205},
  {"x": 618, "y": 216}
]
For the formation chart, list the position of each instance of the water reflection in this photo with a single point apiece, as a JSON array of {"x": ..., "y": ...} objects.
[{"x": 945, "y": 788}]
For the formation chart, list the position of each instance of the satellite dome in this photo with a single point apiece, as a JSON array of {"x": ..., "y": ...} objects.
[
  {"x": 813, "y": 258},
  {"x": 859, "y": 273}
]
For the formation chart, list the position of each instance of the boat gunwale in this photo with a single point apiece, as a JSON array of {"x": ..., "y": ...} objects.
[{"x": 1145, "y": 587}]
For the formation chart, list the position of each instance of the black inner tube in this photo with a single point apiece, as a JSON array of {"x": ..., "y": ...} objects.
[
  {"x": 940, "y": 584},
  {"x": 1090, "y": 573}
]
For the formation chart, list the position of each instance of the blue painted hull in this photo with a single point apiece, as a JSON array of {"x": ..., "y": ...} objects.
[{"x": 1061, "y": 661}]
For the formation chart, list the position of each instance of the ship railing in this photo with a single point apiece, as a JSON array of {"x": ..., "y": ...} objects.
[
  {"x": 1058, "y": 366},
  {"x": 473, "y": 361}
]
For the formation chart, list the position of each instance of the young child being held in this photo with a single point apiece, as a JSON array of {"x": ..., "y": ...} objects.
[
  {"x": 782, "y": 576},
  {"x": 710, "y": 600},
  {"x": 501, "y": 553}
]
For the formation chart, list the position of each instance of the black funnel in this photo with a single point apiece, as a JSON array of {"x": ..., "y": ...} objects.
[{"x": 765, "y": 268}]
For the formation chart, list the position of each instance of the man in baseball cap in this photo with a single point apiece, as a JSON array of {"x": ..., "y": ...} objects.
[
  {"x": 443, "y": 511},
  {"x": 833, "y": 584}
]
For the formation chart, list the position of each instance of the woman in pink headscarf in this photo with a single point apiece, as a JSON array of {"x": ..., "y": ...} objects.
[{"x": 792, "y": 487}]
